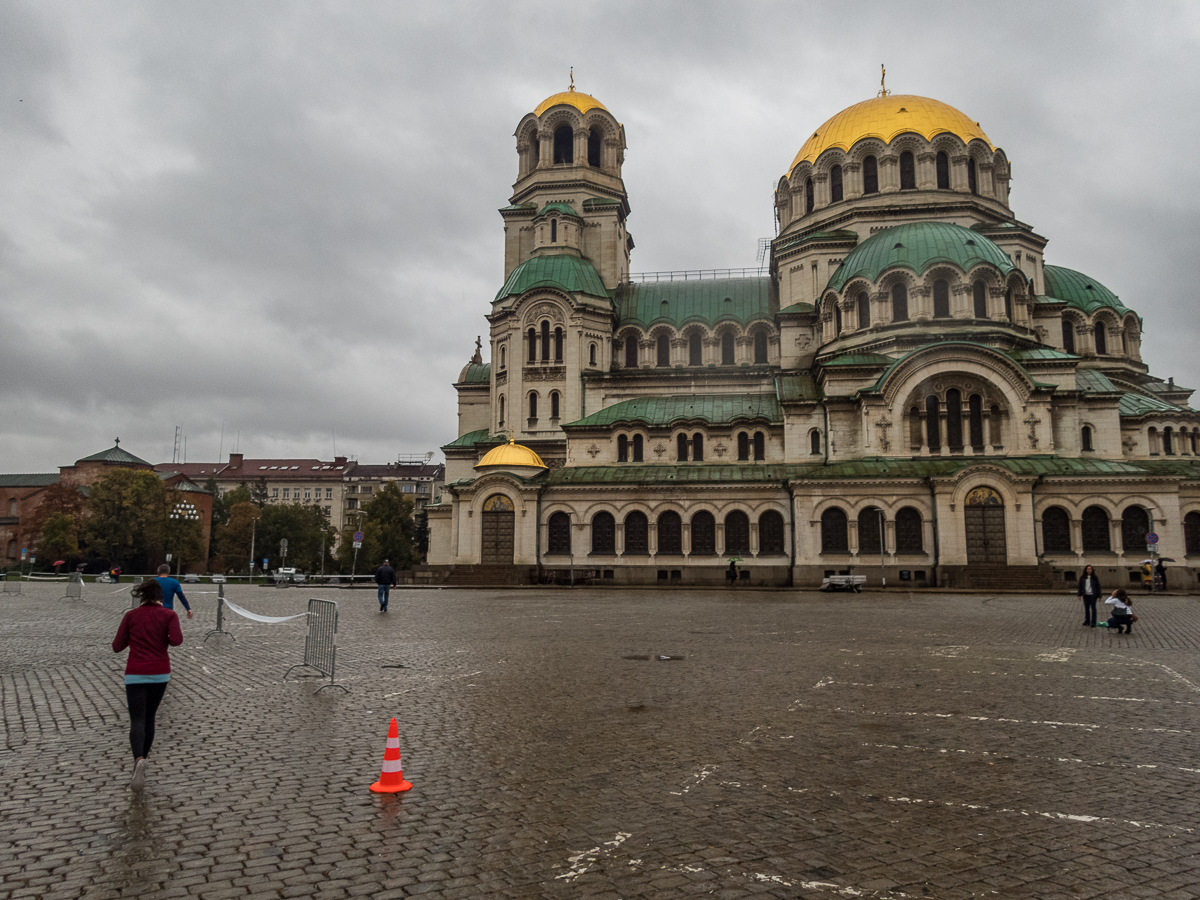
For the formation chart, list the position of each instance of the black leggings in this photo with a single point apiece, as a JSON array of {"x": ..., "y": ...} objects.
[{"x": 143, "y": 705}]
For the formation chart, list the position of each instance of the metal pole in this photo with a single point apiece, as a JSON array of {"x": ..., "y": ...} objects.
[
  {"x": 882, "y": 548},
  {"x": 253, "y": 525},
  {"x": 353, "y": 566}
]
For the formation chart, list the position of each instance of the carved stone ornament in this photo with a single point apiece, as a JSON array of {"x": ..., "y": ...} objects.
[
  {"x": 1032, "y": 421},
  {"x": 1129, "y": 442},
  {"x": 883, "y": 425},
  {"x": 803, "y": 341},
  {"x": 547, "y": 311},
  {"x": 593, "y": 450},
  {"x": 660, "y": 449},
  {"x": 555, "y": 373},
  {"x": 720, "y": 450}
]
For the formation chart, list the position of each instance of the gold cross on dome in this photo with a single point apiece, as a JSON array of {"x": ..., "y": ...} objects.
[
  {"x": 572, "y": 78},
  {"x": 883, "y": 91}
]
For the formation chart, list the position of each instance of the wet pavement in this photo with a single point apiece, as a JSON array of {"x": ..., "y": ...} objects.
[{"x": 615, "y": 744}]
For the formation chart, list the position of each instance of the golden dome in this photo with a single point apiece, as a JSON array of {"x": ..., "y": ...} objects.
[
  {"x": 511, "y": 454},
  {"x": 582, "y": 102},
  {"x": 885, "y": 118}
]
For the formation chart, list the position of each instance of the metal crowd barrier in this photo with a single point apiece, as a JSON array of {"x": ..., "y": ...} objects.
[
  {"x": 220, "y": 629},
  {"x": 12, "y": 585},
  {"x": 74, "y": 587},
  {"x": 320, "y": 647}
]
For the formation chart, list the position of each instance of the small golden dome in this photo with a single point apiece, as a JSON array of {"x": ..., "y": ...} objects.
[
  {"x": 582, "y": 102},
  {"x": 885, "y": 118},
  {"x": 511, "y": 454}
]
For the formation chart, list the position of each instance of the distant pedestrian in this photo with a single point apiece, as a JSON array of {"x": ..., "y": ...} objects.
[
  {"x": 114, "y": 574},
  {"x": 385, "y": 577},
  {"x": 171, "y": 589},
  {"x": 1160, "y": 572},
  {"x": 1122, "y": 614},
  {"x": 732, "y": 574},
  {"x": 1089, "y": 593},
  {"x": 147, "y": 630}
]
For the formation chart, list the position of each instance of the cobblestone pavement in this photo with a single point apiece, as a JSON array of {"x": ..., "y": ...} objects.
[{"x": 788, "y": 745}]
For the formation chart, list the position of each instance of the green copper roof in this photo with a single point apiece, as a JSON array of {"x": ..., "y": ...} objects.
[
  {"x": 594, "y": 202},
  {"x": 1036, "y": 353},
  {"x": 796, "y": 389},
  {"x": 37, "y": 480},
  {"x": 565, "y": 208},
  {"x": 945, "y": 344},
  {"x": 477, "y": 373},
  {"x": 1024, "y": 465},
  {"x": 1141, "y": 405},
  {"x": 798, "y": 309},
  {"x": 859, "y": 359},
  {"x": 470, "y": 439},
  {"x": 918, "y": 246},
  {"x": 704, "y": 473},
  {"x": 714, "y": 409},
  {"x": 568, "y": 273},
  {"x": 1080, "y": 291},
  {"x": 707, "y": 300},
  {"x": 1091, "y": 381},
  {"x": 115, "y": 455}
]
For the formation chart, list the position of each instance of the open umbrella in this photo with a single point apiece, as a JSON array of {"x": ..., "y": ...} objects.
[
  {"x": 1165, "y": 559},
  {"x": 735, "y": 559},
  {"x": 59, "y": 562}
]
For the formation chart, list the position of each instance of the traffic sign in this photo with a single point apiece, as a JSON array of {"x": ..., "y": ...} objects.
[
  {"x": 358, "y": 545},
  {"x": 358, "y": 537},
  {"x": 1150, "y": 548},
  {"x": 1152, "y": 538},
  {"x": 283, "y": 545}
]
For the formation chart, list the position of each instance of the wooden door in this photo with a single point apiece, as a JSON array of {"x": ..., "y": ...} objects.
[
  {"x": 984, "y": 520},
  {"x": 498, "y": 525}
]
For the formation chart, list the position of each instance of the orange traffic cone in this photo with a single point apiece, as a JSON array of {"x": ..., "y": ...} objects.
[{"x": 391, "y": 780}]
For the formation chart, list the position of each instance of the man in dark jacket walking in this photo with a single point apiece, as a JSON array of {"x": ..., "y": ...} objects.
[{"x": 385, "y": 577}]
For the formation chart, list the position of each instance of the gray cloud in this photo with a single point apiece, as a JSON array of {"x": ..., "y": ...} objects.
[{"x": 279, "y": 218}]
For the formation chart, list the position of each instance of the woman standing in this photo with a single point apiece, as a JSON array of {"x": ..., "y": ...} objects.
[
  {"x": 1089, "y": 593},
  {"x": 147, "y": 631}
]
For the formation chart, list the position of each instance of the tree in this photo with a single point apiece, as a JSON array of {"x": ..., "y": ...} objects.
[
  {"x": 389, "y": 532},
  {"x": 306, "y": 530},
  {"x": 126, "y": 520},
  {"x": 57, "y": 498},
  {"x": 58, "y": 539},
  {"x": 233, "y": 538}
]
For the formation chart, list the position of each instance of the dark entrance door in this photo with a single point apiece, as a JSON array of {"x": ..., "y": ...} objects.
[
  {"x": 498, "y": 524},
  {"x": 984, "y": 520}
]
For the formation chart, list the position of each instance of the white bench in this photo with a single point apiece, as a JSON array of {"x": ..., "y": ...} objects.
[{"x": 843, "y": 583}]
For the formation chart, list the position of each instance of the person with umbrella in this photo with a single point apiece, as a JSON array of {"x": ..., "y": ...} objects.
[{"x": 732, "y": 575}]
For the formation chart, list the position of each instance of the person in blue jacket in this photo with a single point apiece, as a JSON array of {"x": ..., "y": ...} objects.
[{"x": 171, "y": 589}]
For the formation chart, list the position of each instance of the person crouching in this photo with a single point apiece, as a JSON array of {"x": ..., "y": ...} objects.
[{"x": 1122, "y": 613}]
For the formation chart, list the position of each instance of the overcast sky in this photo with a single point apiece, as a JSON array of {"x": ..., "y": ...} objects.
[{"x": 278, "y": 220}]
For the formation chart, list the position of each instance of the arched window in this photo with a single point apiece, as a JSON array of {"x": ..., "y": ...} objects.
[
  {"x": 975, "y": 415},
  {"x": 943, "y": 172},
  {"x": 532, "y": 337},
  {"x": 979, "y": 295},
  {"x": 972, "y": 181},
  {"x": 681, "y": 447},
  {"x": 909, "y": 535},
  {"x": 637, "y": 448},
  {"x": 835, "y": 532},
  {"x": 870, "y": 170},
  {"x": 1168, "y": 442},
  {"x": 554, "y": 231},
  {"x": 1008, "y": 307},
  {"x": 837, "y": 318},
  {"x": 695, "y": 350},
  {"x": 870, "y": 536},
  {"x": 1191, "y": 534},
  {"x": 760, "y": 446},
  {"x": 743, "y": 440},
  {"x": 594, "y": 148},
  {"x": 1056, "y": 530},
  {"x": 1095, "y": 530},
  {"x": 727, "y": 348},
  {"x": 670, "y": 533},
  {"x": 704, "y": 534},
  {"x": 1101, "y": 339},
  {"x": 864, "y": 310},
  {"x": 622, "y": 448},
  {"x": 737, "y": 533},
  {"x": 835, "y": 184},
  {"x": 501, "y": 410},
  {"x": 1085, "y": 438},
  {"x": 558, "y": 537},
  {"x": 564, "y": 144},
  {"x": 760, "y": 348},
  {"x": 663, "y": 350},
  {"x": 808, "y": 196},
  {"x": 591, "y": 354},
  {"x": 941, "y": 299},
  {"x": 604, "y": 533},
  {"x": 533, "y": 405},
  {"x": 637, "y": 534},
  {"x": 914, "y": 427},
  {"x": 814, "y": 442},
  {"x": 554, "y": 395},
  {"x": 1068, "y": 333},
  {"x": 954, "y": 436},
  {"x": 1152, "y": 442},
  {"x": 631, "y": 352},
  {"x": 933, "y": 425},
  {"x": 545, "y": 342},
  {"x": 770, "y": 533},
  {"x": 899, "y": 302},
  {"x": 558, "y": 345},
  {"x": 697, "y": 447},
  {"x": 1135, "y": 525},
  {"x": 908, "y": 172},
  {"x": 995, "y": 424},
  {"x": 503, "y": 355}
]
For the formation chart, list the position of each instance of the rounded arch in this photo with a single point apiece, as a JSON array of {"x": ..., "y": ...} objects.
[
  {"x": 669, "y": 526},
  {"x": 771, "y": 535},
  {"x": 835, "y": 530},
  {"x": 1056, "y": 530},
  {"x": 1094, "y": 530},
  {"x": 636, "y": 527},
  {"x": 704, "y": 533},
  {"x": 604, "y": 532},
  {"x": 973, "y": 361},
  {"x": 737, "y": 532},
  {"x": 558, "y": 533}
]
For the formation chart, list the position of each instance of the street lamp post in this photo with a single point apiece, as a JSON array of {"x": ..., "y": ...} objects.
[
  {"x": 882, "y": 548},
  {"x": 253, "y": 525},
  {"x": 185, "y": 512}
]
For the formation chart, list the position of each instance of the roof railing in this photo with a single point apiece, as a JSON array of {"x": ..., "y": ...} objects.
[{"x": 699, "y": 274}]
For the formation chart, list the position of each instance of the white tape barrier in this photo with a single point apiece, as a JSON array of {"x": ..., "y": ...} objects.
[{"x": 270, "y": 620}]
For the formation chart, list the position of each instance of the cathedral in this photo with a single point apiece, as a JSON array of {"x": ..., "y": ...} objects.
[{"x": 909, "y": 391}]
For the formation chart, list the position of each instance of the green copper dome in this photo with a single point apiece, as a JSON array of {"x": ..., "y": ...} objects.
[
  {"x": 1078, "y": 290},
  {"x": 567, "y": 273},
  {"x": 918, "y": 246}
]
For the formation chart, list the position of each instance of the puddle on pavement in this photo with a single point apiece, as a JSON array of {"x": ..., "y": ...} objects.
[
  {"x": 394, "y": 666},
  {"x": 657, "y": 657}
]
